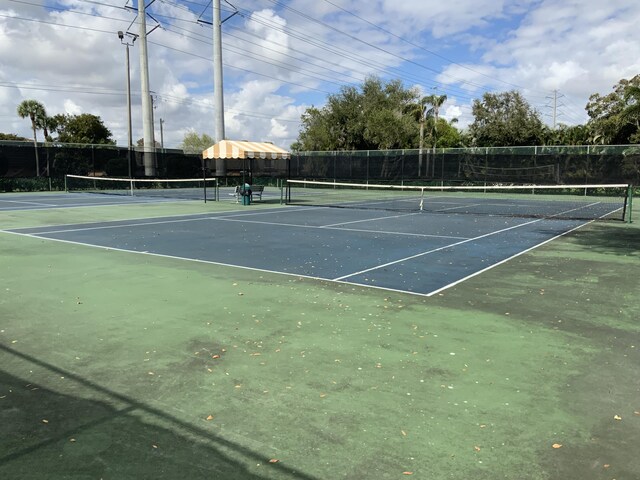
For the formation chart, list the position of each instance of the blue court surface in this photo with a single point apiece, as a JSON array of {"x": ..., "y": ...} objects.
[{"x": 418, "y": 253}]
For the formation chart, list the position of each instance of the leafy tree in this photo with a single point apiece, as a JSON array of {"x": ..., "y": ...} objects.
[
  {"x": 505, "y": 119},
  {"x": 566, "y": 135},
  {"x": 84, "y": 128},
  {"x": 631, "y": 164},
  {"x": 375, "y": 116},
  {"x": 631, "y": 112},
  {"x": 448, "y": 136},
  {"x": 194, "y": 143},
  {"x": 37, "y": 114},
  {"x": 615, "y": 118}
]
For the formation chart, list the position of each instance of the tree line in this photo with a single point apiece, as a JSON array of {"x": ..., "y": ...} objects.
[{"x": 382, "y": 115}]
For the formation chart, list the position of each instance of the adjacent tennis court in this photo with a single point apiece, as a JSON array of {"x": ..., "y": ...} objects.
[{"x": 158, "y": 338}]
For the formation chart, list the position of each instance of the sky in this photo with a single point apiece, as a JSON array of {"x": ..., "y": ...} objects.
[{"x": 283, "y": 56}]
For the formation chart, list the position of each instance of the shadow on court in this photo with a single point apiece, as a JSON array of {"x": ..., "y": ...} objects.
[
  {"x": 615, "y": 238},
  {"x": 47, "y": 434},
  {"x": 580, "y": 288}
]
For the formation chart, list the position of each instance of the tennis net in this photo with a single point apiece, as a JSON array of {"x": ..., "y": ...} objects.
[
  {"x": 587, "y": 202},
  {"x": 185, "y": 189}
]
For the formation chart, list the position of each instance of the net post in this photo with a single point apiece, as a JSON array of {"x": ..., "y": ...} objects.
[
  {"x": 204, "y": 182},
  {"x": 131, "y": 186},
  {"x": 66, "y": 188},
  {"x": 629, "y": 205}
]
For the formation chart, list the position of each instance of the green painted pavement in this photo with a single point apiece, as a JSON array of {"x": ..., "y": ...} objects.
[{"x": 118, "y": 365}]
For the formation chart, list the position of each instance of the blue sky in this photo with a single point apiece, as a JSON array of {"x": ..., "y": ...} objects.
[{"x": 283, "y": 56}]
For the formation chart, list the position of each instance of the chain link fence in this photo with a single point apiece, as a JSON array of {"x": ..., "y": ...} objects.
[
  {"x": 19, "y": 169},
  {"x": 518, "y": 165}
]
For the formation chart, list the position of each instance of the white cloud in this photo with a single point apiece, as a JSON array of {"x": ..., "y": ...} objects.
[
  {"x": 71, "y": 108},
  {"x": 577, "y": 47}
]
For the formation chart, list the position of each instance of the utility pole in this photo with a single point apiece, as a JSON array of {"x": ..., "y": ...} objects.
[
  {"x": 121, "y": 36},
  {"x": 153, "y": 120},
  {"x": 555, "y": 108},
  {"x": 218, "y": 103},
  {"x": 147, "y": 119},
  {"x": 153, "y": 132}
]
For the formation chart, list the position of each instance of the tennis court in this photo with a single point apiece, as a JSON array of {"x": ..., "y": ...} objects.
[
  {"x": 416, "y": 252},
  {"x": 163, "y": 339}
]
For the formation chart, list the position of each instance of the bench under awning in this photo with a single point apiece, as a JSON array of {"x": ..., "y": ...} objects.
[{"x": 242, "y": 149}]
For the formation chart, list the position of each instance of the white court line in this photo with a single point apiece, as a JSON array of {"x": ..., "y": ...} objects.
[
  {"x": 173, "y": 257},
  {"x": 460, "y": 206},
  {"x": 204, "y": 215},
  {"x": 500, "y": 205},
  {"x": 28, "y": 203},
  {"x": 210, "y": 262},
  {"x": 84, "y": 205},
  {"x": 324, "y": 227},
  {"x": 371, "y": 219},
  {"x": 126, "y": 225},
  {"x": 229, "y": 218},
  {"x": 453, "y": 284}
]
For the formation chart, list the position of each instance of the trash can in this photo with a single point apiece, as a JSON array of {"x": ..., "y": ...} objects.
[{"x": 245, "y": 192}]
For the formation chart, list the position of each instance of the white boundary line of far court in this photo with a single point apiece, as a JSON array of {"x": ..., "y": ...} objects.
[
  {"x": 335, "y": 280},
  {"x": 231, "y": 217},
  {"x": 91, "y": 205},
  {"x": 204, "y": 215}
]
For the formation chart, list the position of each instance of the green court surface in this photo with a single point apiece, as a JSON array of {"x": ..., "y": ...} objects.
[{"x": 118, "y": 365}]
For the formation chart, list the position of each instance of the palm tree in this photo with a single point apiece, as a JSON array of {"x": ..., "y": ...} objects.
[
  {"x": 37, "y": 114},
  {"x": 428, "y": 107},
  {"x": 436, "y": 101},
  {"x": 419, "y": 110}
]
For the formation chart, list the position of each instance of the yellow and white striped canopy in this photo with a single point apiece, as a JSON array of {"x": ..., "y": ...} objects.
[{"x": 236, "y": 149}]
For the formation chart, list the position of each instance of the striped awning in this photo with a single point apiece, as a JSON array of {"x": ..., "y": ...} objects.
[{"x": 236, "y": 149}]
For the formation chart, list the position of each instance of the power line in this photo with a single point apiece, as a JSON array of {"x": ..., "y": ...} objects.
[
  {"x": 424, "y": 49},
  {"x": 285, "y": 66},
  {"x": 326, "y": 25},
  {"x": 242, "y": 69},
  {"x": 282, "y": 65},
  {"x": 76, "y": 88},
  {"x": 355, "y": 57}
]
